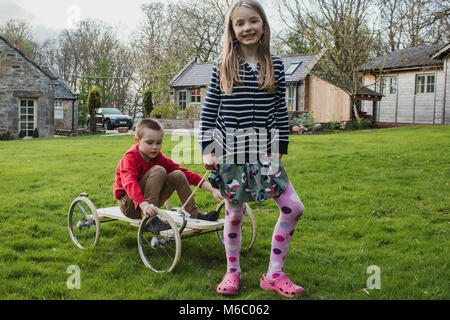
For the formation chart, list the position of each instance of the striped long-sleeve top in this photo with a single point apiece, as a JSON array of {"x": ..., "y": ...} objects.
[{"x": 249, "y": 118}]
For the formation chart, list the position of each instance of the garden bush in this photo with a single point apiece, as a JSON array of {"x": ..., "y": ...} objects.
[
  {"x": 332, "y": 125},
  {"x": 307, "y": 120},
  {"x": 192, "y": 111},
  {"x": 147, "y": 102},
  {"x": 166, "y": 111},
  {"x": 6, "y": 136}
]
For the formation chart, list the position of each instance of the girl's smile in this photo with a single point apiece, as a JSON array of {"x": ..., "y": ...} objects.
[{"x": 247, "y": 26}]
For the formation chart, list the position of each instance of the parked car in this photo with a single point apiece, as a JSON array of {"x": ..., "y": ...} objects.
[{"x": 111, "y": 118}]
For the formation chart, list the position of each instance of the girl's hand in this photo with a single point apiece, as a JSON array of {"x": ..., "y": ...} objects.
[
  {"x": 217, "y": 195},
  {"x": 278, "y": 155},
  {"x": 210, "y": 162}
]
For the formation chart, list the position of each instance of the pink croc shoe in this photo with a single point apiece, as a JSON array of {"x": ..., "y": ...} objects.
[
  {"x": 282, "y": 285},
  {"x": 229, "y": 284}
]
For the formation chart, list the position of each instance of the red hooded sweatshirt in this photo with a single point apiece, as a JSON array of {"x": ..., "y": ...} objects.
[{"x": 132, "y": 168}]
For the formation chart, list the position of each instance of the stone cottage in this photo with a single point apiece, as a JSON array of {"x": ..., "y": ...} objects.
[
  {"x": 28, "y": 93},
  {"x": 66, "y": 104}
]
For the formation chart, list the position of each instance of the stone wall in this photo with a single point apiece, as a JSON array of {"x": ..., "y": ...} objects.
[
  {"x": 19, "y": 78},
  {"x": 179, "y": 123},
  {"x": 66, "y": 122}
]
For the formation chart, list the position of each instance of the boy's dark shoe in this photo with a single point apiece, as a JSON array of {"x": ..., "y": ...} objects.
[
  {"x": 155, "y": 226},
  {"x": 210, "y": 216}
]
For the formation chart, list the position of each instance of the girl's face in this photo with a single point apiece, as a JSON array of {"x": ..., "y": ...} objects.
[{"x": 248, "y": 26}]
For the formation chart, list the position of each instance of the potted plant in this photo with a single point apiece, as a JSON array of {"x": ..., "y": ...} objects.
[
  {"x": 21, "y": 134},
  {"x": 297, "y": 125}
]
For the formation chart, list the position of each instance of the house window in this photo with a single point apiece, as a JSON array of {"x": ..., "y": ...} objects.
[
  {"x": 27, "y": 116},
  {"x": 290, "y": 98},
  {"x": 292, "y": 68},
  {"x": 425, "y": 83},
  {"x": 59, "y": 110},
  {"x": 196, "y": 96},
  {"x": 388, "y": 85},
  {"x": 182, "y": 99}
]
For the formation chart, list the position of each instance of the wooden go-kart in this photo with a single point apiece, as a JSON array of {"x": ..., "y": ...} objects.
[{"x": 159, "y": 238}]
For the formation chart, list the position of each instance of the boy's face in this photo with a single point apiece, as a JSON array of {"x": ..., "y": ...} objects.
[{"x": 150, "y": 143}]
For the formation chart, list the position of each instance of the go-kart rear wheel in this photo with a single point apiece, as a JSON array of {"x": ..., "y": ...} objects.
[
  {"x": 83, "y": 223},
  {"x": 248, "y": 227},
  {"x": 159, "y": 243}
]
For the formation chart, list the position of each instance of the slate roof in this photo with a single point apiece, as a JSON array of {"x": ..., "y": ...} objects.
[
  {"x": 199, "y": 74},
  {"x": 441, "y": 52},
  {"x": 405, "y": 58},
  {"x": 62, "y": 89}
]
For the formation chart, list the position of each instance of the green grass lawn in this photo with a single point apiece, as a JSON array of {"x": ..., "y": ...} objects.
[{"x": 379, "y": 197}]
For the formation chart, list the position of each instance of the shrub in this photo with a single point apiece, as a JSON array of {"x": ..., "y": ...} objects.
[
  {"x": 93, "y": 103},
  {"x": 353, "y": 125},
  {"x": 193, "y": 111},
  {"x": 36, "y": 133},
  {"x": 166, "y": 111},
  {"x": 6, "y": 136},
  {"x": 296, "y": 122},
  {"x": 181, "y": 114},
  {"x": 147, "y": 102},
  {"x": 364, "y": 124},
  {"x": 307, "y": 120},
  {"x": 332, "y": 125}
]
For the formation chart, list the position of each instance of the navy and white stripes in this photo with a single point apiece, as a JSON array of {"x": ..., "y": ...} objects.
[{"x": 249, "y": 117}]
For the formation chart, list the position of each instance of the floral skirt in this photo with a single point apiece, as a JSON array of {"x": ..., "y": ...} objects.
[{"x": 250, "y": 182}]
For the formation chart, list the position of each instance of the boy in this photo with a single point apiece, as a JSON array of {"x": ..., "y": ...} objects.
[{"x": 145, "y": 178}]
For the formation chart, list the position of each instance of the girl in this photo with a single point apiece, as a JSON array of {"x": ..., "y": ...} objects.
[{"x": 247, "y": 94}]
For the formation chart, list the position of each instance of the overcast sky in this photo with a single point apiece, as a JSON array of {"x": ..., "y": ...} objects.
[{"x": 49, "y": 17}]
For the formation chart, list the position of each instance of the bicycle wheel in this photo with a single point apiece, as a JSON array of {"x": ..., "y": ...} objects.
[
  {"x": 83, "y": 223},
  {"x": 159, "y": 243}
]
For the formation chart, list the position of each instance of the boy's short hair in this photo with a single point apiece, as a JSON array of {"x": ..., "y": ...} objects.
[{"x": 149, "y": 124}]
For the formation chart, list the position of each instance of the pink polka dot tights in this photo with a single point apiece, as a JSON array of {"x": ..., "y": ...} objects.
[{"x": 291, "y": 209}]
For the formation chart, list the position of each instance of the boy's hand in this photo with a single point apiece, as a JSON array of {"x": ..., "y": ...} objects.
[
  {"x": 148, "y": 209},
  {"x": 217, "y": 195},
  {"x": 210, "y": 162}
]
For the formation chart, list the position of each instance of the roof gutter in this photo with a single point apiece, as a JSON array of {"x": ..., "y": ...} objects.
[{"x": 373, "y": 71}]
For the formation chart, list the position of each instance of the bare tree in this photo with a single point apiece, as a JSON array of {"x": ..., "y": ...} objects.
[
  {"x": 410, "y": 23},
  {"x": 339, "y": 29},
  {"x": 20, "y": 32}
]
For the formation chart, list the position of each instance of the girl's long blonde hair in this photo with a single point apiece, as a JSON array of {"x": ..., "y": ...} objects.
[{"x": 231, "y": 62}]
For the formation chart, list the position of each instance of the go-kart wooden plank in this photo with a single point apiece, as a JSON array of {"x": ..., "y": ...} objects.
[
  {"x": 115, "y": 213},
  {"x": 195, "y": 224}
]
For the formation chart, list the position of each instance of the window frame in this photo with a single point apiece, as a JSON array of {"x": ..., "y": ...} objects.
[
  {"x": 28, "y": 132},
  {"x": 185, "y": 100},
  {"x": 291, "y": 90},
  {"x": 196, "y": 96},
  {"x": 426, "y": 83},
  {"x": 292, "y": 67},
  {"x": 389, "y": 85},
  {"x": 60, "y": 110}
]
